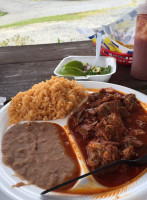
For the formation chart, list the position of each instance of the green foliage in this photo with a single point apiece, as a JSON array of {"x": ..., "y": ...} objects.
[
  {"x": 3, "y": 13},
  {"x": 98, "y": 70},
  {"x": 57, "y": 18},
  {"x": 59, "y": 41},
  {"x": 67, "y": 17},
  {"x": 106, "y": 70},
  {"x": 16, "y": 40}
]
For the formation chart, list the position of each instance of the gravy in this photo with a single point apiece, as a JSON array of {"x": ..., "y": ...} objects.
[{"x": 122, "y": 173}]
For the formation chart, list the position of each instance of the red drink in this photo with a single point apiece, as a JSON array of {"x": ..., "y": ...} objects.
[{"x": 139, "y": 63}]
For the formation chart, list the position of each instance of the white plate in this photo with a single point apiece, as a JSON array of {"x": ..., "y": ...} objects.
[
  {"x": 104, "y": 61},
  {"x": 134, "y": 191}
]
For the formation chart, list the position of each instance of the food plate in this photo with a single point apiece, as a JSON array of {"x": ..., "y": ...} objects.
[{"x": 135, "y": 190}]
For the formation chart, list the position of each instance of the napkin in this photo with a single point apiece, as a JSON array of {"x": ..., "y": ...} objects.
[{"x": 117, "y": 36}]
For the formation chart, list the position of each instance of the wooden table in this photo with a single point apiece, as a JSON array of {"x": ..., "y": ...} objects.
[{"x": 22, "y": 67}]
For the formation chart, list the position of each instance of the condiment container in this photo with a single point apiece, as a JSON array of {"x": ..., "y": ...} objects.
[
  {"x": 139, "y": 63},
  {"x": 104, "y": 61}
]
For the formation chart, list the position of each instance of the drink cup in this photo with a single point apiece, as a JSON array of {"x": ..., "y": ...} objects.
[{"x": 139, "y": 63}]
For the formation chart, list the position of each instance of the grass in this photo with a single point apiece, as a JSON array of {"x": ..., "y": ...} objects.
[
  {"x": 57, "y": 18},
  {"x": 2, "y": 13},
  {"x": 66, "y": 17}
]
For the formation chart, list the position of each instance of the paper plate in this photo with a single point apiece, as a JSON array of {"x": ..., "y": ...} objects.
[{"x": 133, "y": 191}]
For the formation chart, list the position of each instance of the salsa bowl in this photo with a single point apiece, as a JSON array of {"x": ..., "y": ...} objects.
[{"x": 104, "y": 61}]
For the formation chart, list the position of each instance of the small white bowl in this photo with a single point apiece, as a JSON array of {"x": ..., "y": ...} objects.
[{"x": 104, "y": 61}]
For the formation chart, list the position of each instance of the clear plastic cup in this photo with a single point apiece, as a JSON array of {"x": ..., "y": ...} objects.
[{"x": 139, "y": 63}]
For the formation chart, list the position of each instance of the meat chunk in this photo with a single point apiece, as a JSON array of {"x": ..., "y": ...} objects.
[
  {"x": 110, "y": 107},
  {"x": 96, "y": 96},
  {"x": 130, "y": 102},
  {"x": 130, "y": 140},
  {"x": 103, "y": 93},
  {"x": 111, "y": 127},
  {"x": 98, "y": 102},
  {"x": 129, "y": 153},
  {"x": 101, "y": 153},
  {"x": 99, "y": 105},
  {"x": 85, "y": 130},
  {"x": 136, "y": 132},
  {"x": 141, "y": 125},
  {"x": 108, "y": 90},
  {"x": 78, "y": 115}
]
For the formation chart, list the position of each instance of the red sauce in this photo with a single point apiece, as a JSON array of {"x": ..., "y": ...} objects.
[{"x": 124, "y": 173}]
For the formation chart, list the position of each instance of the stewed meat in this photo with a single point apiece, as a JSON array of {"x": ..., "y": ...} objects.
[
  {"x": 86, "y": 130},
  {"x": 96, "y": 96},
  {"x": 98, "y": 102},
  {"x": 111, "y": 127},
  {"x": 137, "y": 132},
  {"x": 104, "y": 95},
  {"x": 131, "y": 102},
  {"x": 103, "y": 126},
  {"x": 141, "y": 125},
  {"x": 101, "y": 153},
  {"x": 129, "y": 153},
  {"x": 131, "y": 140},
  {"x": 108, "y": 90},
  {"x": 78, "y": 116},
  {"x": 107, "y": 108}
]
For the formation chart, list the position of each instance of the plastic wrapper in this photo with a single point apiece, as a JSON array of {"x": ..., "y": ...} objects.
[{"x": 117, "y": 36}]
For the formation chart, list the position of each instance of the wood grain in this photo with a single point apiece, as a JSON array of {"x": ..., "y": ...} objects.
[
  {"x": 22, "y": 67},
  {"x": 20, "y": 77},
  {"x": 46, "y": 52}
]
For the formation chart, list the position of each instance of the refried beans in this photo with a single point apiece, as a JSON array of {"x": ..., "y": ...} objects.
[{"x": 40, "y": 153}]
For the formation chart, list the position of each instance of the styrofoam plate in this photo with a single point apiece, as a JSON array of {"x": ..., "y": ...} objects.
[{"x": 133, "y": 191}]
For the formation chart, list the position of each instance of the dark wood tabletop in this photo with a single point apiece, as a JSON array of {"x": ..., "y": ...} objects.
[{"x": 23, "y": 66}]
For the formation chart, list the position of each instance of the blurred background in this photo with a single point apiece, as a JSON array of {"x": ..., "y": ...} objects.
[{"x": 24, "y": 22}]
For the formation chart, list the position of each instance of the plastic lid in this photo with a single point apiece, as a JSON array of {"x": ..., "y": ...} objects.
[{"x": 142, "y": 8}]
